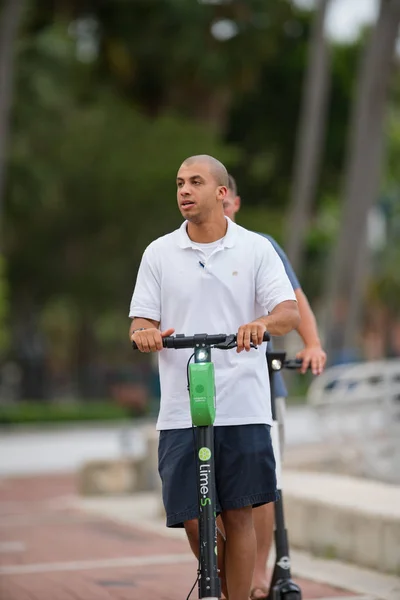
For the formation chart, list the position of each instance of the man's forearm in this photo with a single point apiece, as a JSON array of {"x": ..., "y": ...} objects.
[
  {"x": 283, "y": 319},
  {"x": 139, "y": 322},
  {"x": 307, "y": 328}
]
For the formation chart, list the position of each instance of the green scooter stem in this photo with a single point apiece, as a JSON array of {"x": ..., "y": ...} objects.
[{"x": 202, "y": 409}]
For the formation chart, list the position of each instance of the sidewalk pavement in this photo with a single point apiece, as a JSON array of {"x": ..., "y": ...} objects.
[{"x": 56, "y": 546}]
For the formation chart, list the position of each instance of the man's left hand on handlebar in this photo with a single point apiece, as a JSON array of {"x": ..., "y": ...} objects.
[{"x": 251, "y": 333}]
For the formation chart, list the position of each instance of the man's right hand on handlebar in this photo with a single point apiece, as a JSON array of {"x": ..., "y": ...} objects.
[
  {"x": 251, "y": 333},
  {"x": 150, "y": 339}
]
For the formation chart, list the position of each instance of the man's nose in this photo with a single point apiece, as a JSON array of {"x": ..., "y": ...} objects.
[{"x": 184, "y": 190}]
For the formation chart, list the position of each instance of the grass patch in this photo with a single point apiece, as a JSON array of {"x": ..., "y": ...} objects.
[{"x": 41, "y": 412}]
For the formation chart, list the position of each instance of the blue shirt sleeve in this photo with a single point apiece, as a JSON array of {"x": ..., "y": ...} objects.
[{"x": 288, "y": 267}]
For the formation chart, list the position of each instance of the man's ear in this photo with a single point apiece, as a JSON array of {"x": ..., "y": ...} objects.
[
  {"x": 237, "y": 202},
  {"x": 223, "y": 190}
]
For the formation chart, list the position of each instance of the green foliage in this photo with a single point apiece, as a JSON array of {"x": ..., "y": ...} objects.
[
  {"x": 163, "y": 55},
  {"x": 91, "y": 181},
  {"x": 391, "y": 170},
  {"x": 3, "y": 308},
  {"x": 91, "y": 177},
  {"x": 25, "y": 413},
  {"x": 323, "y": 231},
  {"x": 263, "y": 120},
  {"x": 257, "y": 218},
  {"x": 106, "y": 107},
  {"x": 384, "y": 285}
]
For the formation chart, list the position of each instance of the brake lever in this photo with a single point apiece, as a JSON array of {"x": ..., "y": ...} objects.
[{"x": 230, "y": 343}]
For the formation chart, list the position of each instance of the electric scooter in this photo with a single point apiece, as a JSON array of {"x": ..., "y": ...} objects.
[
  {"x": 201, "y": 386},
  {"x": 282, "y": 587}
]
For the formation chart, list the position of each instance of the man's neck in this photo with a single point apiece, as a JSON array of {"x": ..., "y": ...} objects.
[{"x": 206, "y": 233}]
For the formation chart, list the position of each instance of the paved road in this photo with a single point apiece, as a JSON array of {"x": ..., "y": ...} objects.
[
  {"x": 51, "y": 550},
  {"x": 65, "y": 449}
]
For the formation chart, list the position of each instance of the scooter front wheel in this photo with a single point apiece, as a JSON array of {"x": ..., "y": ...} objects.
[{"x": 285, "y": 590}]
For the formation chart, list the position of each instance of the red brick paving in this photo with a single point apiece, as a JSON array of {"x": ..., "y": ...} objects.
[{"x": 35, "y": 511}]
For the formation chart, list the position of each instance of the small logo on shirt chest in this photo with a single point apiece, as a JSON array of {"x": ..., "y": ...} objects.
[{"x": 235, "y": 273}]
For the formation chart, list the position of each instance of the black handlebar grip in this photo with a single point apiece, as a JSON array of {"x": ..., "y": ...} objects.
[
  {"x": 168, "y": 342},
  {"x": 293, "y": 363}
]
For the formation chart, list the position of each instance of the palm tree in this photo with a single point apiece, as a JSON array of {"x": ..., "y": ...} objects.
[
  {"x": 362, "y": 178},
  {"x": 9, "y": 20},
  {"x": 310, "y": 137}
]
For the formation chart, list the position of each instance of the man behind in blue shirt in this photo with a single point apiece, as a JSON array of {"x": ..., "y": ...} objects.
[{"x": 312, "y": 355}]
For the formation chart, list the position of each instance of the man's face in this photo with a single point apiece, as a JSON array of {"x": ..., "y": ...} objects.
[
  {"x": 198, "y": 192},
  {"x": 231, "y": 205}
]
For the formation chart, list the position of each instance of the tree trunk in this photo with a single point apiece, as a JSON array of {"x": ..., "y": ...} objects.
[
  {"x": 9, "y": 20},
  {"x": 85, "y": 351},
  {"x": 310, "y": 137},
  {"x": 361, "y": 186}
]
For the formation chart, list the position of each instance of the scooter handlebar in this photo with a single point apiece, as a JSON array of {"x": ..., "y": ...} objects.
[{"x": 221, "y": 340}]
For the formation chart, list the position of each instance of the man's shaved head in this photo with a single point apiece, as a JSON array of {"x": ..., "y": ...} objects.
[{"x": 216, "y": 168}]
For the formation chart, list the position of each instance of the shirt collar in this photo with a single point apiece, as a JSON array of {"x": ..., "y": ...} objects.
[{"x": 229, "y": 239}]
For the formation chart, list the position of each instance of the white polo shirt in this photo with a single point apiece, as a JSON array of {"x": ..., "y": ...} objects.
[{"x": 242, "y": 279}]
